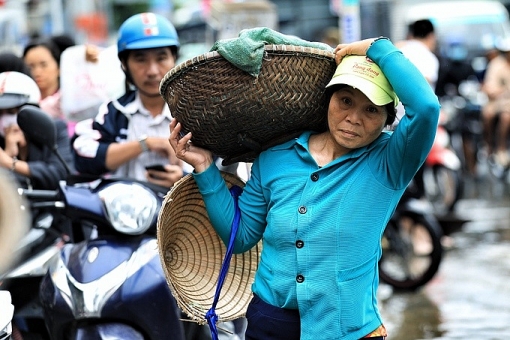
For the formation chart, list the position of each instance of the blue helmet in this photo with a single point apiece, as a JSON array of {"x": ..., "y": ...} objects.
[{"x": 146, "y": 30}]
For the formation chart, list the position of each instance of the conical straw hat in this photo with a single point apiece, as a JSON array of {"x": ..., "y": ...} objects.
[{"x": 192, "y": 254}]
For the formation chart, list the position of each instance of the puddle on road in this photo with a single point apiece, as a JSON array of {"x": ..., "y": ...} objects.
[
  {"x": 470, "y": 296},
  {"x": 411, "y": 316}
]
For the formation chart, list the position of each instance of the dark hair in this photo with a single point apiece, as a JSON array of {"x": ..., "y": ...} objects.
[
  {"x": 421, "y": 28},
  {"x": 392, "y": 113},
  {"x": 48, "y": 44},
  {"x": 11, "y": 62},
  {"x": 390, "y": 108},
  {"x": 63, "y": 41}
]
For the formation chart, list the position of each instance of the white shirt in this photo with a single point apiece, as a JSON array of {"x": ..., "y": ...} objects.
[
  {"x": 425, "y": 61},
  {"x": 423, "y": 58},
  {"x": 142, "y": 123}
]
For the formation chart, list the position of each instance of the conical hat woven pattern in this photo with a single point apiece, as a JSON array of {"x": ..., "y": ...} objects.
[
  {"x": 192, "y": 255},
  {"x": 235, "y": 115}
]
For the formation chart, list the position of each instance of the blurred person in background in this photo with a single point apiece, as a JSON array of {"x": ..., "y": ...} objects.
[
  {"x": 43, "y": 59},
  {"x": 496, "y": 112},
  {"x": 490, "y": 54},
  {"x": 130, "y": 133},
  {"x": 453, "y": 69},
  {"x": 420, "y": 49},
  {"x": 42, "y": 56},
  {"x": 33, "y": 165}
]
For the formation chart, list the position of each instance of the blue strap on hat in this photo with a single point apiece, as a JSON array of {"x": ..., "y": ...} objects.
[{"x": 211, "y": 316}]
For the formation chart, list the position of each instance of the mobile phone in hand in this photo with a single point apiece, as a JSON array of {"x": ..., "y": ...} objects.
[{"x": 157, "y": 167}]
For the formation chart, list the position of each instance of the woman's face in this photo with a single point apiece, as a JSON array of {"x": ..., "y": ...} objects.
[
  {"x": 43, "y": 68},
  {"x": 353, "y": 120}
]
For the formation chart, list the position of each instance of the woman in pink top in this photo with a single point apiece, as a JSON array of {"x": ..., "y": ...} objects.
[{"x": 43, "y": 59}]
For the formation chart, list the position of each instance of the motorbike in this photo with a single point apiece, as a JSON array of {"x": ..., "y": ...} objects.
[
  {"x": 442, "y": 171},
  {"x": 108, "y": 282},
  {"x": 38, "y": 237},
  {"x": 411, "y": 243},
  {"x": 37, "y": 248}
]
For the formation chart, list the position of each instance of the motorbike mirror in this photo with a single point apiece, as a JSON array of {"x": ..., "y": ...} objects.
[
  {"x": 40, "y": 129},
  {"x": 37, "y": 126}
]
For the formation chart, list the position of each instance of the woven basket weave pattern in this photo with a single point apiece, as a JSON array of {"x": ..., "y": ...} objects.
[
  {"x": 192, "y": 254},
  {"x": 236, "y": 115}
]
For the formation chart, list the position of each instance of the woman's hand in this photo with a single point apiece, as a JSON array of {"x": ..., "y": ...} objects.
[
  {"x": 354, "y": 48},
  {"x": 200, "y": 159}
]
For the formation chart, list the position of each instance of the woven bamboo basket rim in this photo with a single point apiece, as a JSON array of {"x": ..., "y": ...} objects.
[
  {"x": 237, "y": 115},
  {"x": 192, "y": 253},
  {"x": 187, "y": 65}
]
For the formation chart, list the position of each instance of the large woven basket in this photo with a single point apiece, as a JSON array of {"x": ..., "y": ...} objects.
[
  {"x": 236, "y": 115},
  {"x": 192, "y": 255}
]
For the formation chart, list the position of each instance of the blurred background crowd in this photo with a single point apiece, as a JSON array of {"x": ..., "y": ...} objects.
[
  {"x": 205, "y": 21},
  {"x": 467, "y": 34},
  {"x": 69, "y": 49}
]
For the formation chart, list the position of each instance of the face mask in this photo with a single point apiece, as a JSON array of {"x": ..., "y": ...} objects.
[{"x": 7, "y": 120}]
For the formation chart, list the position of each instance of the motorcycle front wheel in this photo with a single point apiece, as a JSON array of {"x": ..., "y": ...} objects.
[
  {"x": 412, "y": 251},
  {"x": 443, "y": 188}
]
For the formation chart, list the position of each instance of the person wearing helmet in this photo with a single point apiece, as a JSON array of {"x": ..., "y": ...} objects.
[
  {"x": 33, "y": 165},
  {"x": 11, "y": 62},
  {"x": 130, "y": 134}
]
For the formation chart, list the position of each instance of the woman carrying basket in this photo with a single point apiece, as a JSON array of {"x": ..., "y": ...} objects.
[{"x": 320, "y": 202}]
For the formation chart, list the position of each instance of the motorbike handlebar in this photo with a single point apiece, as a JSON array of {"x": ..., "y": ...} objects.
[{"x": 39, "y": 194}]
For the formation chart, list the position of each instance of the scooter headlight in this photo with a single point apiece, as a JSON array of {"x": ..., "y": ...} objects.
[{"x": 131, "y": 208}]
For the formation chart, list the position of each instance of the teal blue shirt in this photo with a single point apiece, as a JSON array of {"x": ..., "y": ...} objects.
[{"x": 337, "y": 212}]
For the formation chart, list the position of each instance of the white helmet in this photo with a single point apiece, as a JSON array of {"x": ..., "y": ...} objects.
[{"x": 17, "y": 89}]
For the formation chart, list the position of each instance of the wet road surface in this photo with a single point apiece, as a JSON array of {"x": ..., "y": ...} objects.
[{"x": 469, "y": 298}]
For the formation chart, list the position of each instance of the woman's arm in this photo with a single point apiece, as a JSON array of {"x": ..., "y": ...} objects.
[
  {"x": 218, "y": 200},
  {"x": 412, "y": 140}
]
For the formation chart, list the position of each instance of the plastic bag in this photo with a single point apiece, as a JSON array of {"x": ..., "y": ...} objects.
[{"x": 85, "y": 85}]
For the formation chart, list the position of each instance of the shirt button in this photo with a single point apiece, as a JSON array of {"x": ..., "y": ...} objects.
[
  {"x": 315, "y": 177},
  {"x": 300, "y": 278},
  {"x": 300, "y": 244},
  {"x": 302, "y": 210}
]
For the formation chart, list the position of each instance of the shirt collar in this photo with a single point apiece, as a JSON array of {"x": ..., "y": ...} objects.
[
  {"x": 136, "y": 106},
  {"x": 303, "y": 139}
]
